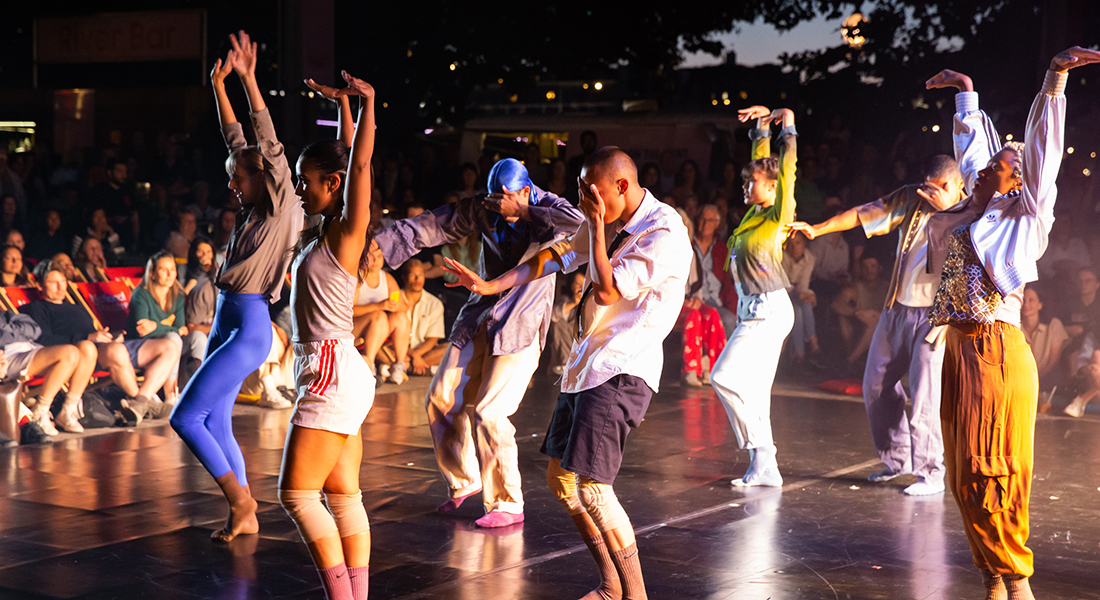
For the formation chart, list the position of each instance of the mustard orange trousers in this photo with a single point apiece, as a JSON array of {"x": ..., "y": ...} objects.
[{"x": 990, "y": 385}]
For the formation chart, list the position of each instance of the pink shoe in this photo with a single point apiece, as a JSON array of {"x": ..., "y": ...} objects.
[
  {"x": 454, "y": 503},
  {"x": 498, "y": 518}
]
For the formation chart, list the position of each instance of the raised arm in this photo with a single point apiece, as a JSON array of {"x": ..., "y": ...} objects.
[
  {"x": 974, "y": 136},
  {"x": 788, "y": 163},
  {"x": 231, "y": 128},
  {"x": 345, "y": 123},
  {"x": 348, "y": 235},
  {"x": 244, "y": 64},
  {"x": 1044, "y": 137},
  {"x": 761, "y": 136}
]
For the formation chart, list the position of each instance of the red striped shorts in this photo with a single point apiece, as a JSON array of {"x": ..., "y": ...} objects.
[{"x": 335, "y": 387}]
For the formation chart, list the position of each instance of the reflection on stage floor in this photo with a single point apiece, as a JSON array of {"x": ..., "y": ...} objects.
[{"x": 128, "y": 513}]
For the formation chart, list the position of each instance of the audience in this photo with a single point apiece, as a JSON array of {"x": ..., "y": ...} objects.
[
  {"x": 379, "y": 313},
  {"x": 179, "y": 241},
  {"x": 799, "y": 266},
  {"x": 563, "y": 322},
  {"x": 13, "y": 273},
  {"x": 101, "y": 231},
  {"x": 1046, "y": 340},
  {"x": 156, "y": 323},
  {"x": 425, "y": 314},
  {"x": 199, "y": 305},
  {"x": 50, "y": 240}
]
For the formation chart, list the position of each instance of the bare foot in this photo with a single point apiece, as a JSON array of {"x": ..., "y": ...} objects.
[{"x": 241, "y": 520}]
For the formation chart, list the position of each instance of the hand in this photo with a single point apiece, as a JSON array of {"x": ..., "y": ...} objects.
[
  {"x": 222, "y": 70},
  {"x": 244, "y": 54},
  {"x": 1074, "y": 330},
  {"x": 948, "y": 78},
  {"x": 936, "y": 196},
  {"x": 782, "y": 116},
  {"x": 101, "y": 337},
  {"x": 692, "y": 303},
  {"x": 808, "y": 297},
  {"x": 145, "y": 327},
  {"x": 326, "y": 91},
  {"x": 466, "y": 278},
  {"x": 753, "y": 112},
  {"x": 3, "y": 362},
  {"x": 356, "y": 87},
  {"x": 184, "y": 331},
  {"x": 1074, "y": 57},
  {"x": 804, "y": 228},
  {"x": 419, "y": 366},
  {"x": 593, "y": 207},
  {"x": 388, "y": 305},
  {"x": 509, "y": 204}
]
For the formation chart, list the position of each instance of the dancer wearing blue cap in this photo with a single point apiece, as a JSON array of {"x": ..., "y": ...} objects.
[{"x": 496, "y": 340}]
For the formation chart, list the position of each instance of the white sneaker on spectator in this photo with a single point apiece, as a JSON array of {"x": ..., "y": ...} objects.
[
  {"x": 399, "y": 373},
  {"x": 1075, "y": 408},
  {"x": 41, "y": 416},
  {"x": 69, "y": 419},
  {"x": 692, "y": 380},
  {"x": 924, "y": 488},
  {"x": 434, "y": 369},
  {"x": 383, "y": 372},
  {"x": 273, "y": 399}
]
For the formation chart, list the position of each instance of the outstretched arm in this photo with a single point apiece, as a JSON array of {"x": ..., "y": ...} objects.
[
  {"x": 844, "y": 221},
  {"x": 345, "y": 130},
  {"x": 546, "y": 262},
  {"x": 350, "y": 230}
]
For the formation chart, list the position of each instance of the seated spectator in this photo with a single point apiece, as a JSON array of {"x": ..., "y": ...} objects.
[
  {"x": 65, "y": 264},
  {"x": 205, "y": 214},
  {"x": 688, "y": 183},
  {"x": 557, "y": 183},
  {"x": 563, "y": 322},
  {"x": 700, "y": 321},
  {"x": 709, "y": 261},
  {"x": 1081, "y": 313},
  {"x": 156, "y": 315},
  {"x": 799, "y": 266},
  {"x": 856, "y": 310},
  {"x": 50, "y": 240},
  {"x": 90, "y": 261},
  {"x": 466, "y": 251},
  {"x": 116, "y": 197},
  {"x": 15, "y": 238},
  {"x": 471, "y": 181},
  {"x": 13, "y": 273},
  {"x": 1088, "y": 385},
  {"x": 101, "y": 231},
  {"x": 9, "y": 214},
  {"x": 59, "y": 364},
  {"x": 1046, "y": 339},
  {"x": 425, "y": 313},
  {"x": 179, "y": 241},
  {"x": 831, "y": 256},
  {"x": 379, "y": 313},
  {"x": 199, "y": 305},
  {"x": 223, "y": 230},
  {"x": 67, "y": 323},
  {"x": 274, "y": 381}
]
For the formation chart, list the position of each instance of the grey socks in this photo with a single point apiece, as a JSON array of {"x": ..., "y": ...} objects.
[
  {"x": 630, "y": 572},
  {"x": 610, "y": 588}
]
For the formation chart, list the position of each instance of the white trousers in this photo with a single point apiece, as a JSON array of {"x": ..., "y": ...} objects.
[
  {"x": 469, "y": 402},
  {"x": 744, "y": 372}
]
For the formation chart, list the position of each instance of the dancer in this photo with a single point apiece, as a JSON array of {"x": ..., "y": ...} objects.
[
  {"x": 335, "y": 388},
  {"x": 993, "y": 240},
  {"x": 250, "y": 277},
  {"x": 496, "y": 341},
  {"x": 745, "y": 370},
  {"x": 900, "y": 343},
  {"x": 632, "y": 298}
]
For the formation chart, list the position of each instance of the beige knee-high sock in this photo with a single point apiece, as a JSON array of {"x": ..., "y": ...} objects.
[
  {"x": 994, "y": 586},
  {"x": 610, "y": 588},
  {"x": 1018, "y": 587},
  {"x": 630, "y": 572}
]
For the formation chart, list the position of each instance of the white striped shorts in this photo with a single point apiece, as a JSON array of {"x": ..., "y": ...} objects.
[{"x": 335, "y": 387}]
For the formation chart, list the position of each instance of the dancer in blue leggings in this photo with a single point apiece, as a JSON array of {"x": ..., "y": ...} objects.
[{"x": 251, "y": 277}]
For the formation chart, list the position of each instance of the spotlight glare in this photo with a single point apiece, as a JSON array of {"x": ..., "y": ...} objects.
[
  {"x": 598, "y": 86},
  {"x": 935, "y": 128}
]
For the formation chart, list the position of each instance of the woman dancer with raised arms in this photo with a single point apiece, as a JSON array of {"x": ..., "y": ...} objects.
[
  {"x": 335, "y": 388},
  {"x": 249, "y": 279}
]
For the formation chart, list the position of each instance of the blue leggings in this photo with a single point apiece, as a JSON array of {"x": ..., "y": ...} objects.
[{"x": 240, "y": 341}]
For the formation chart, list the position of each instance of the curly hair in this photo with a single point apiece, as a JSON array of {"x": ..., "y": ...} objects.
[{"x": 1017, "y": 148}]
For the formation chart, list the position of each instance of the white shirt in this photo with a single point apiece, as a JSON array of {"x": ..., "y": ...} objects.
[
  {"x": 830, "y": 256},
  {"x": 427, "y": 320},
  {"x": 650, "y": 269}
]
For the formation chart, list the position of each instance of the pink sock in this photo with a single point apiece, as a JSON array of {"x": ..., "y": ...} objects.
[
  {"x": 498, "y": 518},
  {"x": 359, "y": 581},
  {"x": 454, "y": 503},
  {"x": 337, "y": 583}
]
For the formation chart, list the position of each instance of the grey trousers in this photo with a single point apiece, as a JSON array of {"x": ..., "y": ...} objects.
[{"x": 905, "y": 443}]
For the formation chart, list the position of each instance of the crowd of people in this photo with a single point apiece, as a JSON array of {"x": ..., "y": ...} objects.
[{"x": 312, "y": 283}]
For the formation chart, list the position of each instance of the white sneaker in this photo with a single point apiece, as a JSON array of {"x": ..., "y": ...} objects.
[
  {"x": 434, "y": 369},
  {"x": 399, "y": 373},
  {"x": 68, "y": 419},
  {"x": 924, "y": 488},
  {"x": 383, "y": 372},
  {"x": 41, "y": 415},
  {"x": 692, "y": 380},
  {"x": 1075, "y": 408},
  {"x": 274, "y": 400}
]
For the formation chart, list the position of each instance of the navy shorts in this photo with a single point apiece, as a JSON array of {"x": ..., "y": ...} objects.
[{"x": 588, "y": 429}]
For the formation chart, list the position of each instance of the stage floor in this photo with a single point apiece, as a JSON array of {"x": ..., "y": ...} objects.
[{"x": 128, "y": 513}]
